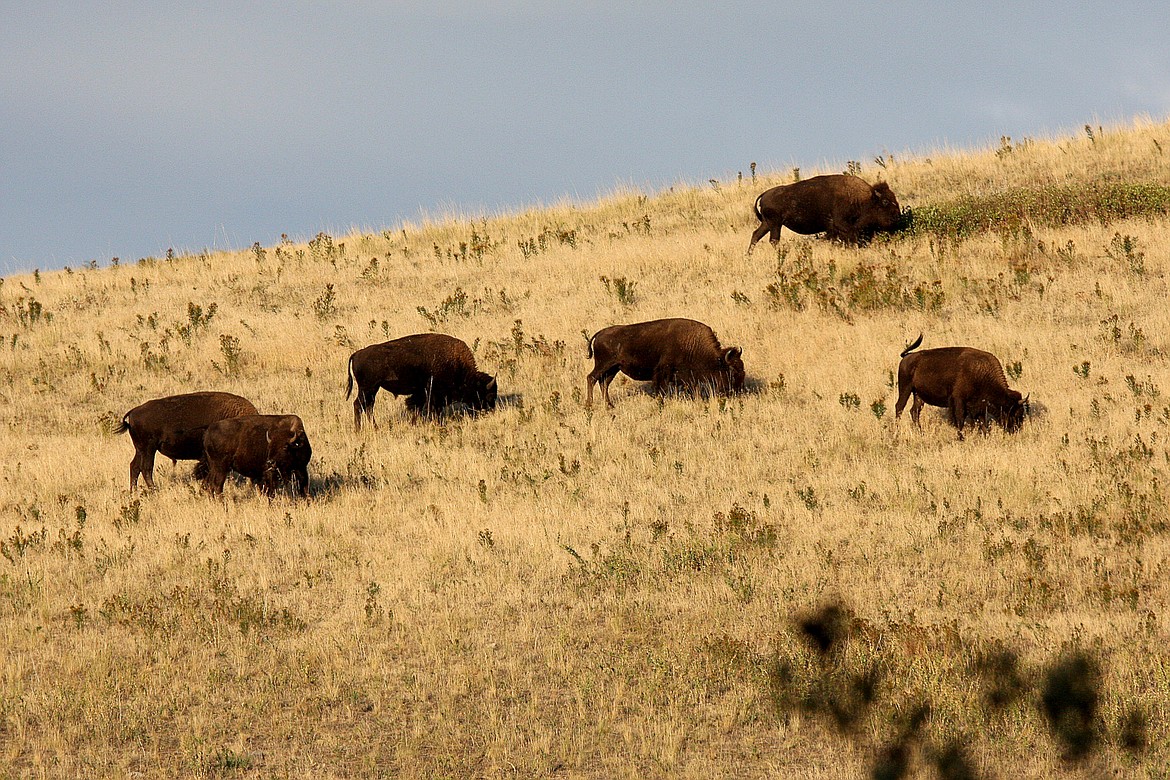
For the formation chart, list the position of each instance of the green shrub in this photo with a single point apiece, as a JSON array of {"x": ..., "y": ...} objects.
[{"x": 1050, "y": 206}]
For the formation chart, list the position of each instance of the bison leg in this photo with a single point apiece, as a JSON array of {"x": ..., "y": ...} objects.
[
  {"x": 958, "y": 413},
  {"x": 135, "y": 469},
  {"x": 848, "y": 235},
  {"x": 431, "y": 399},
  {"x": 903, "y": 397},
  {"x": 301, "y": 482},
  {"x": 605, "y": 381},
  {"x": 983, "y": 422},
  {"x": 425, "y": 402},
  {"x": 145, "y": 463},
  {"x": 916, "y": 411},
  {"x": 760, "y": 232},
  {"x": 590, "y": 381},
  {"x": 658, "y": 382},
  {"x": 602, "y": 376},
  {"x": 364, "y": 403},
  {"x": 665, "y": 379},
  {"x": 216, "y": 476},
  {"x": 420, "y": 404}
]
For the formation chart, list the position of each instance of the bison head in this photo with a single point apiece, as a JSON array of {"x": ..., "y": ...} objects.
[
  {"x": 481, "y": 392},
  {"x": 733, "y": 375},
  {"x": 1012, "y": 415},
  {"x": 884, "y": 213},
  {"x": 289, "y": 452}
]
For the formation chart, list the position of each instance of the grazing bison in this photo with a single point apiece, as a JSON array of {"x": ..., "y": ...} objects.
[
  {"x": 175, "y": 426},
  {"x": 269, "y": 449},
  {"x": 431, "y": 369},
  {"x": 667, "y": 352},
  {"x": 839, "y": 205},
  {"x": 965, "y": 380}
]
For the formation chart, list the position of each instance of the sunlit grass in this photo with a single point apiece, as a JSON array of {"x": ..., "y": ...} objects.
[{"x": 552, "y": 590}]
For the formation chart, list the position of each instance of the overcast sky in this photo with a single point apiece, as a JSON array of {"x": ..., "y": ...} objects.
[{"x": 128, "y": 128}]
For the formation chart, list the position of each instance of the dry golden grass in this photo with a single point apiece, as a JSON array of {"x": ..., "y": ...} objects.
[{"x": 549, "y": 591}]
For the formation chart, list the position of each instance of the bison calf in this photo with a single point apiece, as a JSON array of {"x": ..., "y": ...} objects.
[
  {"x": 670, "y": 352},
  {"x": 175, "y": 426},
  {"x": 841, "y": 206},
  {"x": 269, "y": 449},
  {"x": 965, "y": 380},
  {"x": 431, "y": 369}
]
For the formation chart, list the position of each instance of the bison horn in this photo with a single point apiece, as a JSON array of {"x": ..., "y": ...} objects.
[
  {"x": 732, "y": 354},
  {"x": 491, "y": 385}
]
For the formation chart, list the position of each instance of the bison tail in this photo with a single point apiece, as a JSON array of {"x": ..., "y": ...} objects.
[
  {"x": 756, "y": 207},
  {"x": 589, "y": 354},
  {"x": 911, "y": 347},
  {"x": 123, "y": 426},
  {"x": 349, "y": 380}
]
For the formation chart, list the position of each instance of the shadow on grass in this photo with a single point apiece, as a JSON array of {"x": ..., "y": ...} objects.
[
  {"x": 851, "y": 675},
  {"x": 752, "y": 386}
]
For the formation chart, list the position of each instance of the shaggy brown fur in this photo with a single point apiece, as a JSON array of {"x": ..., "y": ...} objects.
[
  {"x": 269, "y": 449},
  {"x": 175, "y": 426},
  {"x": 842, "y": 207},
  {"x": 431, "y": 369},
  {"x": 967, "y": 381},
  {"x": 670, "y": 352}
]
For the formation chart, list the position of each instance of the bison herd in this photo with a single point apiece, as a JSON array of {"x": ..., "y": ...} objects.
[{"x": 224, "y": 432}]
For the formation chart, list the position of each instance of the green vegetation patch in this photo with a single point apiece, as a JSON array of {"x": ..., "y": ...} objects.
[{"x": 1051, "y": 206}]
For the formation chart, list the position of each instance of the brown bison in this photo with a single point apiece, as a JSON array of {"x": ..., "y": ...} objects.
[
  {"x": 175, "y": 426},
  {"x": 671, "y": 352},
  {"x": 269, "y": 449},
  {"x": 967, "y": 381},
  {"x": 841, "y": 206},
  {"x": 430, "y": 369}
]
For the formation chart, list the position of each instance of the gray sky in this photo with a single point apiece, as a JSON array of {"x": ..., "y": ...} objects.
[{"x": 128, "y": 128}]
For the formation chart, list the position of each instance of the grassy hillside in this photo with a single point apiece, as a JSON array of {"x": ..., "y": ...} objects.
[{"x": 554, "y": 591}]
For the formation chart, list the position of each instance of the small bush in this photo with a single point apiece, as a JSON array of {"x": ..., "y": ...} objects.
[
  {"x": 323, "y": 248},
  {"x": 1124, "y": 249},
  {"x": 454, "y": 305},
  {"x": 232, "y": 355},
  {"x": 865, "y": 288},
  {"x": 621, "y": 288},
  {"x": 324, "y": 307},
  {"x": 27, "y": 311}
]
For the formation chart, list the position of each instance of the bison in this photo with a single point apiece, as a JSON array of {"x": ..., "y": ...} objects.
[
  {"x": 269, "y": 449},
  {"x": 841, "y": 206},
  {"x": 965, "y": 380},
  {"x": 670, "y": 352},
  {"x": 175, "y": 426},
  {"x": 431, "y": 369}
]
